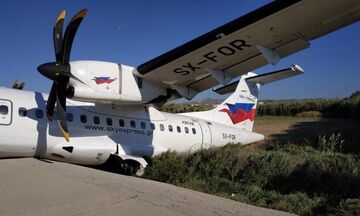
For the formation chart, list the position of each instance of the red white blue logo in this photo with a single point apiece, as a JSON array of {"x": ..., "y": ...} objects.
[
  {"x": 102, "y": 80},
  {"x": 239, "y": 112}
]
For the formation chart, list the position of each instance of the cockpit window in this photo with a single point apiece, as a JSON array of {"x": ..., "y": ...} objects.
[
  {"x": 22, "y": 112},
  {"x": 4, "y": 110}
]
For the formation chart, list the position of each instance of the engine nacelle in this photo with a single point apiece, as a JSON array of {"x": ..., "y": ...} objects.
[
  {"x": 90, "y": 152},
  {"x": 106, "y": 82}
]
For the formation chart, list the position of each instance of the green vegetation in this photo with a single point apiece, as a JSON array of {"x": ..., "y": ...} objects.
[
  {"x": 294, "y": 107},
  {"x": 299, "y": 179},
  {"x": 346, "y": 108},
  {"x": 181, "y": 108},
  {"x": 309, "y": 163}
]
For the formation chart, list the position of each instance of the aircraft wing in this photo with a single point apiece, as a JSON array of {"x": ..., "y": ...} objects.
[{"x": 261, "y": 37}]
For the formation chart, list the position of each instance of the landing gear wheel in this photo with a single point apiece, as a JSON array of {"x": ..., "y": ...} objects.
[
  {"x": 130, "y": 170},
  {"x": 133, "y": 169},
  {"x": 140, "y": 170}
]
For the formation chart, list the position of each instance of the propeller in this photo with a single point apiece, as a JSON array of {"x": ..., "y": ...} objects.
[{"x": 59, "y": 72}]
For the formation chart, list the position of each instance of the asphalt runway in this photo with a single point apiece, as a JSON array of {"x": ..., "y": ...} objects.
[{"x": 34, "y": 187}]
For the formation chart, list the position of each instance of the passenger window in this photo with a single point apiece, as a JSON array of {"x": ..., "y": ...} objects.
[
  {"x": 83, "y": 118},
  {"x": 96, "y": 120},
  {"x": 194, "y": 131},
  {"x": 162, "y": 128},
  {"x": 22, "y": 112},
  {"x": 170, "y": 128},
  {"x": 178, "y": 128},
  {"x": 4, "y": 110},
  {"x": 186, "y": 130},
  {"x": 132, "y": 124},
  {"x": 39, "y": 113},
  {"x": 69, "y": 117},
  {"x": 152, "y": 125},
  {"x": 109, "y": 121},
  {"x": 143, "y": 125},
  {"x": 121, "y": 122}
]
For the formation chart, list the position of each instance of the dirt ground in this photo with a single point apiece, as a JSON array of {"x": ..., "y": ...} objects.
[{"x": 298, "y": 129}]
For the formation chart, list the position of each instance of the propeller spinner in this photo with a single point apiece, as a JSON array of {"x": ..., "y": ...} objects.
[{"x": 59, "y": 71}]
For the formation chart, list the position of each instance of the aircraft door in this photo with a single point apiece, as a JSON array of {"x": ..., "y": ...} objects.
[
  {"x": 5, "y": 112},
  {"x": 206, "y": 134}
]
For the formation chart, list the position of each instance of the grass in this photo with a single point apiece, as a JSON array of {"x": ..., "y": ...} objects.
[
  {"x": 307, "y": 166},
  {"x": 276, "y": 125},
  {"x": 299, "y": 180}
]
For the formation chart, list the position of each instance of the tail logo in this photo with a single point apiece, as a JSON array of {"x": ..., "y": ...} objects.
[{"x": 240, "y": 112}]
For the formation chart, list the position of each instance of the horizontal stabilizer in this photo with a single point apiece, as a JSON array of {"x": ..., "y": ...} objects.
[
  {"x": 226, "y": 89},
  {"x": 262, "y": 79},
  {"x": 275, "y": 76}
]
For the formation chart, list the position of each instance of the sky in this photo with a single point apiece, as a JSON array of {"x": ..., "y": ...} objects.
[{"x": 133, "y": 32}]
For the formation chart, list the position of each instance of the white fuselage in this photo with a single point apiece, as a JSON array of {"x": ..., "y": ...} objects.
[{"x": 99, "y": 130}]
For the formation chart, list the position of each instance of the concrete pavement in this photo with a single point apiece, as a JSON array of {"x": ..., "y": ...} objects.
[{"x": 33, "y": 187}]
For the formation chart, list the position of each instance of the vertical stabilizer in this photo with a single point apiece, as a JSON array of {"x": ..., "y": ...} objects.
[{"x": 239, "y": 108}]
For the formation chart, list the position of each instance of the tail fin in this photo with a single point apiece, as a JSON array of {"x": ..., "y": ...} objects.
[{"x": 239, "y": 108}]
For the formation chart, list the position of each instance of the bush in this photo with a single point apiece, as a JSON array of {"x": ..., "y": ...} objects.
[
  {"x": 299, "y": 203},
  {"x": 298, "y": 179},
  {"x": 331, "y": 143},
  {"x": 324, "y": 107},
  {"x": 309, "y": 114},
  {"x": 346, "y": 108},
  {"x": 349, "y": 207},
  {"x": 168, "y": 167}
]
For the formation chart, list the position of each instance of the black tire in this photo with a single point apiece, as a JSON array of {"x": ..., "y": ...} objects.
[{"x": 130, "y": 170}]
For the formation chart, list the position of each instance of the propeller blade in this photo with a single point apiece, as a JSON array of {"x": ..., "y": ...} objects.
[
  {"x": 61, "y": 107},
  {"x": 60, "y": 71},
  {"x": 57, "y": 35},
  {"x": 70, "y": 35},
  {"x": 50, "y": 105}
]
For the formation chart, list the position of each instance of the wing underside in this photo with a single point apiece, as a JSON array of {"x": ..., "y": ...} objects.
[{"x": 261, "y": 37}]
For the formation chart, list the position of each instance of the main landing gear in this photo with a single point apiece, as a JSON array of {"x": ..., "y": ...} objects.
[
  {"x": 132, "y": 168},
  {"x": 131, "y": 165}
]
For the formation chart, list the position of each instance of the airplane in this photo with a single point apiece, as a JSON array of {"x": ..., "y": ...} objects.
[{"x": 99, "y": 110}]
